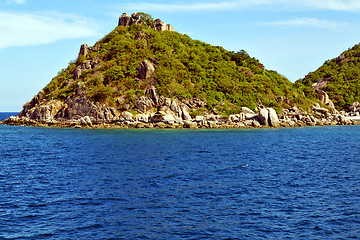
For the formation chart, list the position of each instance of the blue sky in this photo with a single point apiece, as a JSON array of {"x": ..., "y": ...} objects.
[{"x": 292, "y": 37}]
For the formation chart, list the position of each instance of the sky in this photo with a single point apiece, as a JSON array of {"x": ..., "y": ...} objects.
[{"x": 39, "y": 38}]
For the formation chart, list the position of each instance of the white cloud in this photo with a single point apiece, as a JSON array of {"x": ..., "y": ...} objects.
[
  {"x": 7, "y": 2},
  {"x": 336, "y": 5},
  {"x": 19, "y": 1},
  {"x": 22, "y": 29},
  {"x": 308, "y": 22}
]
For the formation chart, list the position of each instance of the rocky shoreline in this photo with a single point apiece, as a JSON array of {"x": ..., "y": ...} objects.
[{"x": 247, "y": 119}]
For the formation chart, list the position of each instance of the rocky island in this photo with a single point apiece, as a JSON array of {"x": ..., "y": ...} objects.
[{"x": 144, "y": 75}]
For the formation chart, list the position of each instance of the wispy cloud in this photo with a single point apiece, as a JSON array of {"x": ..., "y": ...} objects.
[
  {"x": 308, "y": 22},
  {"x": 22, "y": 29},
  {"x": 17, "y": 2},
  {"x": 335, "y": 5}
]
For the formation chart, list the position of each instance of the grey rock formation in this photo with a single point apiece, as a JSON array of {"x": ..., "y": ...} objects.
[
  {"x": 146, "y": 70},
  {"x": 185, "y": 114},
  {"x": 84, "y": 50},
  {"x": 263, "y": 116},
  {"x": 273, "y": 118},
  {"x": 153, "y": 95},
  {"x": 144, "y": 104},
  {"x": 124, "y": 20},
  {"x": 159, "y": 25},
  {"x": 247, "y": 110},
  {"x": 324, "y": 98}
]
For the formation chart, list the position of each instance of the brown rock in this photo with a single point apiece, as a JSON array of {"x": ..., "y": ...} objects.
[
  {"x": 124, "y": 20},
  {"x": 84, "y": 50},
  {"x": 146, "y": 70}
]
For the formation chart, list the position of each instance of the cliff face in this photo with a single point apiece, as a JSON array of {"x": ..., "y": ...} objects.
[{"x": 144, "y": 74}]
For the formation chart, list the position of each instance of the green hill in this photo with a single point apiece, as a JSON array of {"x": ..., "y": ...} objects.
[
  {"x": 184, "y": 69},
  {"x": 338, "y": 77},
  {"x": 144, "y": 73}
]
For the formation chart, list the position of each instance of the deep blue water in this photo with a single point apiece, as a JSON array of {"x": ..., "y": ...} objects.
[{"x": 180, "y": 184}]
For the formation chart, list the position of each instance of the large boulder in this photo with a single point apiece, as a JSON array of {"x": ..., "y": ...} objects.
[
  {"x": 185, "y": 114},
  {"x": 273, "y": 118},
  {"x": 146, "y": 70},
  {"x": 247, "y": 110},
  {"x": 324, "y": 98},
  {"x": 263, "y": 116},
  {"x": 175, "y": 107},
  {"x": 45, "y": 111}
]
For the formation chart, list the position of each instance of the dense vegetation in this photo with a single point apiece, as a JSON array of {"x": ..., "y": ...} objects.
[
  {"x": 185, "y": 69},
  {"x": 343, "y": 76}
]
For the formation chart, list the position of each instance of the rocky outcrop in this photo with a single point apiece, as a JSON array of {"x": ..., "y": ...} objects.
[
  {"x": 84, "y": 50},
  {"x": 273, "y": 118},
  {"x": 134, "y": 19},
  {"x": 323, "y": 96},
  {"x": 268, "y": 117},
  {"x": 264, "y": 117},
  {"x": 146, "y": 70}
]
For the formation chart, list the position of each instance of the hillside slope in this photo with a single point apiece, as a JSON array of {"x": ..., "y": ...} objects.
[
  {"x": 338, "y": 77},
  {"x": 144, "y": 71}
]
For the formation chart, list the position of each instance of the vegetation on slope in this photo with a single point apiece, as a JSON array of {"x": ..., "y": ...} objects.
[
  {"x": 185, "y": 69},
  {"x": 343, "y": 78}
]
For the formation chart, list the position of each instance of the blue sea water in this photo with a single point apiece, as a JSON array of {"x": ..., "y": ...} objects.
[{"x": 299, "y": 183}]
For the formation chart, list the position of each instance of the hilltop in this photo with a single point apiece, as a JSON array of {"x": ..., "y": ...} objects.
[
  {"x": 339, "y": 78},
  {"x": 144, "y": 72}
]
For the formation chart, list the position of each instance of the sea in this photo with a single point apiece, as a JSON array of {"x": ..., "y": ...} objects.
[{"x": 295, "y": 183}]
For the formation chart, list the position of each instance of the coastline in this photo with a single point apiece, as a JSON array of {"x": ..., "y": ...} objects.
[{"x": 249, "y": 124}]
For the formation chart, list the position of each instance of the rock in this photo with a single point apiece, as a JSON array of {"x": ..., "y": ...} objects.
[
  {"x": 249, "y": 116},
  {"x": 247, "y": 110},
  {"x": 144, "y": 104},
  {"x": 320, "y": 84},
  {"x": 153, "y": 95},
  {"x": 256, "y": 124},
  {"x": 146, "y": 70},
  {"x": 84, "y": 50},
  {"x": 320, "y": 110},
  {"x": 168, "y": 118},
  {"x": 127, "y": 116},
  {"x": 157, "y": 117},
  {"x": 185, "y": 114},
  {"x": 189, "y": 124},
  {"x": 77, "y": 73},
  {"x": 142, "y": 118},
  {"x": 45, "y": 111},
  {"x": 124, "y": 20},
  {"x": 87, "y": 65},
  {"x": 263, "y": 116},
  {"x": 233, "y": 118},
  {"x": 175, "y": 107},
  {"x": 199, "y": 119},
  {"x": 159, "y": 25},
  {"x": 273, "y": 118},
  {"x": 135, "y": 19},
  {"x": 86, "y": 121},
  {"x": 169, "y": 28},
  {"x": 324, "y": 98}
]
